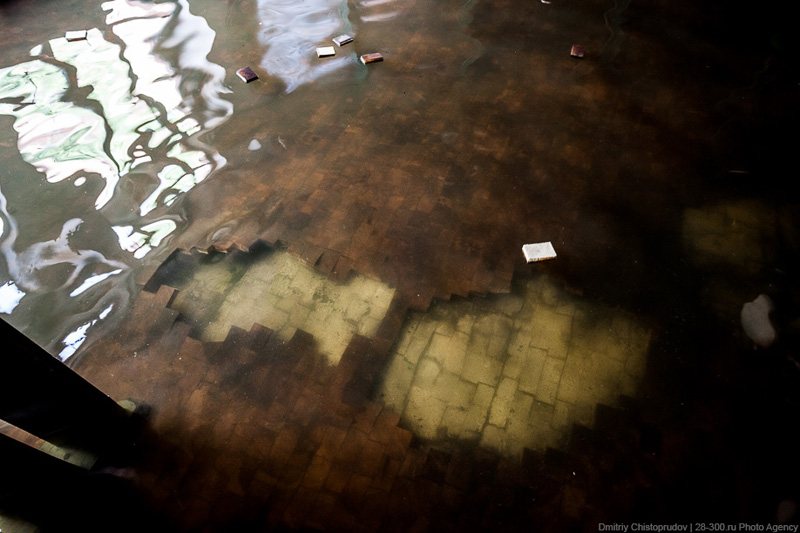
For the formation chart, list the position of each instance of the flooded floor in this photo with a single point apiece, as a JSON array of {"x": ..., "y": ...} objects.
[
  {"x": 315, "y": 279},
  {"x": 513, "y": 373}
]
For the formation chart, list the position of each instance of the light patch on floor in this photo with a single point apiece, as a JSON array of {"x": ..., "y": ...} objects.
[
  {"x": 284, "y": 294},
  {"x": 17, "y": 525},
  {"x": 735, "y": 243},
  {"x": 738, "y": 235},
  {"x": 513, "y": 371}
]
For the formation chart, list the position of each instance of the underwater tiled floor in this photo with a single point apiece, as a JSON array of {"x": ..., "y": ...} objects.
[
  {"x": 284, "y": 294},
  {"x": 515, "y": 371},
  {"x": 338, "y": 330}
]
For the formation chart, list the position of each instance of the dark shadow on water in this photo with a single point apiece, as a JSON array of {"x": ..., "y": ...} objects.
[{"x": 609, "y": 158}]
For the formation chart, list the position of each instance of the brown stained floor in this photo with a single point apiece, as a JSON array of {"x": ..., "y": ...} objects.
[
  {"x": 271, "y": 436},
  {"x": 478, "y": 133},
  {"x": 432, "y": 174}
]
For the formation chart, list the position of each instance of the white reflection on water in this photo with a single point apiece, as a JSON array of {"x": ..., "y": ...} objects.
[
  {"x": 292, "y": 30},
  {"x": 28, "y": 270},
  {"x": 92, "y": 281},
  {"x": 141, "y": 241},
  {"x": 190, "y": 84},
  {"x": 56, "y": 137},
  {"x": 158, "y": 116},
  {"x": 26, "y": 267},
  {"x": 10, "y": 296},
  {"x": 76, "y": 338},
  {"x": 379, "y": 10},
  {"x": 127, "y": 104}
]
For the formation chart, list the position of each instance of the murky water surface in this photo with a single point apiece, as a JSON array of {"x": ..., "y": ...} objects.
[
  {"x": 423, "y": 175},
  {"x": 103, "y": 142},
  {"x": 105, "y": 136}
]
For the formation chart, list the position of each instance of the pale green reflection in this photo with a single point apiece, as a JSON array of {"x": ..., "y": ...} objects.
[
  {"x": 126, "y": 103},
  {"x": 136, "y": 123},
  {"x": 58, "y": 138}
]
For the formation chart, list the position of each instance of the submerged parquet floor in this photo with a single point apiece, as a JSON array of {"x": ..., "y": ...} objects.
[
  {"x": 259, "y": 432},
  {"x": 477, "y": 134},
  {"x": 473, "y": 137},
  {"x": 429, "y": 182}
]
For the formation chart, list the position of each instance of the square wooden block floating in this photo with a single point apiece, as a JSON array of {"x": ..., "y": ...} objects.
[
  {"x": 77, "y": 35},
  {"x": 326, "y": 51},
  {"x": 246, "y": 74},
  {"x": 577, "y": 51},
  {"x": 342, "y": 40},
  {"x": 539, "y": 251},
  {"x": 371, "y": 58}
]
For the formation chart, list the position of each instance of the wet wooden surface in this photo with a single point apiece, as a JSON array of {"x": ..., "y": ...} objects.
[
  {"x": 429, "y": 177},
  {"x": 258, "y": 433}
]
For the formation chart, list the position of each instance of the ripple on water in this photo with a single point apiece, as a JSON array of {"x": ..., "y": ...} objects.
[
  {"x": 291, "y": 31},
  {"x": 98, "y": 113}
]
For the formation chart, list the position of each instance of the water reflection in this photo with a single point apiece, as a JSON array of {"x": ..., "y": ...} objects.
[
  {"x": 378, "y": 10},
  {"x": 118, "y": 115},
  {"x": 186, "y": 85},
  {"x": 30, "y": 271},
  {"x": 76, "y": 338},
  {"x": 292, "y": 30},
  {"x": 10, "y": 296}
]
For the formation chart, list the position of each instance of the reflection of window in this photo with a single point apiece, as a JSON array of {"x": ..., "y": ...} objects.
[
  {"x": 141, "y": 241},
  {"x": 146, "y": 93},
  {"x": 143, "y": 121},
  {"x": 292, "y": 30},
  {"x": 10, "y": 297},
  {"x": 57, "y": 137}
]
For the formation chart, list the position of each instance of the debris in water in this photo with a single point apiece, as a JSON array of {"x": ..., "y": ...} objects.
[
  {"x": 280, "y": 141},
  {"x": 326, "y": 51},
  {"x": 342, "y": 39},
  {"x": 254, "y": 145},
  {"x": 577, "y": 51},
  {"x": 545, "y": 1},
  {"x": 756, "y": 321},
  {"x": 246, "y": 74},
  {"x": 539, "y": 251},
  {"x": 371, "y": 58},
  {"x": 77, "y": 35}
]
